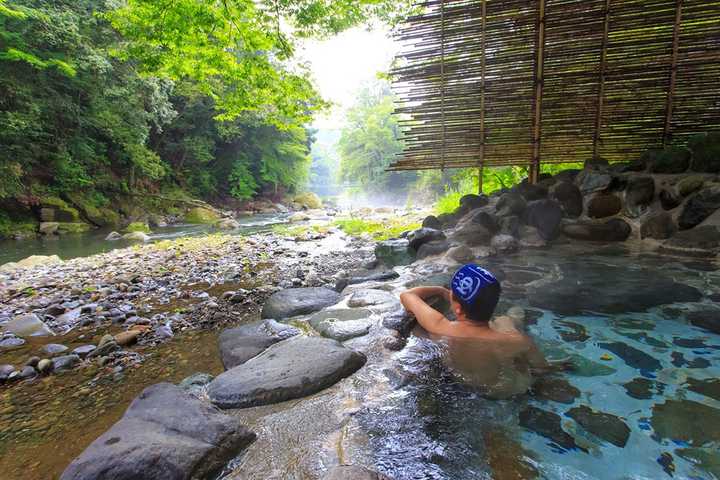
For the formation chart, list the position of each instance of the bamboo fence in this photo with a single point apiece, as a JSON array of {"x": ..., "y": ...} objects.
[{"x": 520, "y": 82}]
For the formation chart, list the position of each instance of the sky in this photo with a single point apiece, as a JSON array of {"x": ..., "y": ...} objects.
[{"x": 342, "y": 64}]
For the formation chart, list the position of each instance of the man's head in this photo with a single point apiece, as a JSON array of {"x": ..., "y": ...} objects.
[{"x": 475, "y": 293}]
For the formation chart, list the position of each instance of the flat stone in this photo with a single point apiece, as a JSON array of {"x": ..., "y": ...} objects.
[
  {"x": 65, "y": 362},
  {"x": 640, "y": 388},
  {"x": 548, "y": 425},
  {"x": 614, "y": 230},
  {"x": 421, "y": 236},
  {"x": 555, "y": 389},
  {"x": 28, "y": 325},
  {"x": 687, "y": 421},
  {"x": 603, "y": 425},
  {"x": 298, "y": 301},
  {"x": 379, "y": 299},
  {"x": 277, "y": 375},
  {"x": 11, "y": 342},
  {"x": 54, "y": 348},
  {"x": 353, "y": 472},
  {"x": 342, "y": 324},
  {"x": 633, "y": 357},
  {"x": 164, "y": 434},
  {"x": 236, "y": 348},
  {"x": 70, "y": 317}
]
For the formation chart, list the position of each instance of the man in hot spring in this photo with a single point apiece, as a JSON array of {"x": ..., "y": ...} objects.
[{"x": 491, "y": 353}]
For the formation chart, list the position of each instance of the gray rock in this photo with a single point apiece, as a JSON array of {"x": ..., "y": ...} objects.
[
  {"x": 504, "y": 244},
  {"x": 568, "y": 195},
  {"x": 70, "y": 317},
  {"x": 669, "y": 199},
  {"x": 276, "y": 374},
  {"x": 394, "y": 252},
  {"x": 460, "y": 254},
  {"x": 342, "y": 324},
  {"x": 545, "y": 215},
  {"x": 510, "y": 225},
  {"x": 614, "y": 230},
  {"x": 511, "y": 204},
  {"x": 136, "y": 237},
  {"x": 639, "y": 193},
  {"x": 486, "y": 219},
  {"x": 28, "y": 325},
  {"x": 399, "y": 320},
  {"x": 236, "y": 348},
  {"x": 113, "y": 236},
  {"x": 603, "y": 425},
  {"x": 659, "y": 225},
  {"x": 33, "y": 361},
  {"x": 66, "y": 362},
  {"x": 421, "y": 236},
  {"x": 164, "y": 434},
  {"x": 84, "y": 350},
  {"x": 373, "y": 277},
  {"x": 431, "y": 221},
  {"x": 27, "y": 372},
  {"x": 701, "y": 240},
  {"x": 353, "y": 472},
  {"x": 104, "y": 348},
  {"x": 266, "y": 328},
  {"x": 298, "y": 301},
  {"x": 429, "y": 249},
  {"x": 590, "y": 181},
  {"x": 48, "y": 228},
  {"x": 195, "y": 382},
  {"x": 11, "y": 342},
  {"x": 699, "y": 207},
  {"x": 471, "y": 202},
  {"x": 531, "y": 192},
  {"x": 604, "y": 205},
  {"x": 471, "y": 234},
  {"x": 54, "y": 348},
  {"x": 5, "y": 371},
  {"x": 45, "y": 366},
  {"x": 371, "y": 297}
]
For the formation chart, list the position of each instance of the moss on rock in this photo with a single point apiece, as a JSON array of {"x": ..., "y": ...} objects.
[
  {"x": 201, "y": 215},
  {"x": 72, "y": 227},
  {"x": 137, "y": 227},
  {"x": 308, "y": 200},
  {"x": 63, "y": 212}
]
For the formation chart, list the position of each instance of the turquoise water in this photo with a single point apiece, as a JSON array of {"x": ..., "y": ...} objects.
[
  {"x": 641, "y": 370},
  {"x": 93, "y": 242}
]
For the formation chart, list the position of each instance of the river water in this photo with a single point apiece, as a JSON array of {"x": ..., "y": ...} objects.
[{"x": 93, "y": 242}]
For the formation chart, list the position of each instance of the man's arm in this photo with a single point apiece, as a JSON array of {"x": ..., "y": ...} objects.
[{"x": 431, "y": 320}]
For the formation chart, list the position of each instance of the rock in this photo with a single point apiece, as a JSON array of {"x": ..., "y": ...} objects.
[
  {"x": 265, "y": 328},
  {"x": 342, "y": 324},
  {"x": 298, "y": 217},
  {"x": 701, "y": 240},
  {"x": 48, "y": 228},
  {"x": 460, "y": 254},
  {"x": 342, "y": 283},
  {"x": 421, "y": 236},
  {"x": 567, "y": 175},
  {"x": 590, "y": 181},
  {"x": 437, "y": 247},
  {"x": 471, "y": 234},
  {"x": 614, "y": 230},
  {"x": 709, "y": 387},
  {"x": 298, "y": 301},
  {"x": 708, "y": 319},
  {"x": 511, "y": 204},
  {"x": 399, "y": 320},
  {"x": 84, "y": 350},
  {"x": 308, "y": 200},
  {"x": 530, "y": 237},
  {"x": 510, "y": 225},
  {"x": 504, "y": 244},
  {"x": 27, "y": 372},
  {"x": 236, "y": 348},
  {"x": 669, "y": 199},
  {"x": 691, "y": 184},
  {"x": 471, "y": 202},
  {"x": 687, "y": 421},
  {"x": 66, "y": 362},
  {"x": 39, "y": 260},
  {"x": 706, "y": 459},
  {"x": 127, "y": 338},
  {"x": 572, "y": 332},
  {"x": 54, "y": 348},
  {"x": 568, "y": 195},
  {"x": 113, "y": 236},
  {"x": 699, "y": 207},
  {"x": 432, "y": 221},
  {"x": 555, "y": 389},
  {"x": 72, "y": 227},
  {"x": 69, "y": 318},
  {"x": 11, "y": 342},
  {"x": 394, "y": 341},
  {"x": 640, "y": 388},
  {"x": 104, "y": 348},
  {"x": 639, "y": 193},
  {"x": 353, "y": 472},
  {"x": 165, "y": 433},
  {"x": 545, "y": 215},
  {"x": 28, "y": 325},
  {"x": 448, "y": 219},
  {"x": 195, "y": 382},
  {"x": 486, "y": 219},
  {"x": 5, "y": 371},
  {"x": 200, "y": 215},
  {"x": 136, "y": 237},
  {"x": 227, "y": 224},
  {"x": 548, "y": 425},
  {"x": 394, "y": 252},
  {"x": 276, "y": 375},
  {"x": 531, "y": 192},
  {"x": 706, "y": 152},
  {"x": 633, "y": 357},
  {"x": 603, "y": 425},
  {"x": 45, "y": 366},
  {"x": 658, "y": 225},
  {"x": 373, "y": 298},
  {"x": 33, "y": 361},
  {"x": 668, "y": 160},
  {"x": 604, "y": 205}
]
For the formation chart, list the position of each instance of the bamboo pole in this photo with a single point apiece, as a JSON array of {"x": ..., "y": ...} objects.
[
  {"x": 667, "y": 134},
  {"x": 537, "y": 94},
  {"x": 442, "y": 80},
  {"x": 483, "y": 13},
  {"x": 601, "y": 80}
]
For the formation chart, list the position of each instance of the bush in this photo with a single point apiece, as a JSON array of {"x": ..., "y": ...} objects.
[{"x": 376, "y": 229}]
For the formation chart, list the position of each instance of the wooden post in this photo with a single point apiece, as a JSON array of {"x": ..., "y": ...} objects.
[
  {"x": 481, "y": 161},
  {"x": 601, "y": 81},
  {"x": 537, "y": 100},
  {"x": 667, "y": 133},
  {"x": 442, "y": 82}
]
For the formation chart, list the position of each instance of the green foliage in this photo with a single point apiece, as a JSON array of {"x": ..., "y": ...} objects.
[
  {"x": 448, "y": 203},
  {"x": 379, "y": 230},
  {"x": 138, "y": 227}
]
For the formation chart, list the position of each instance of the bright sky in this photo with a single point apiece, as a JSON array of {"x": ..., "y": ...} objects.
[{"x": 343, "y": 63}]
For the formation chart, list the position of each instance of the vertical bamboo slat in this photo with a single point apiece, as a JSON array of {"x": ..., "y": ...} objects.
[
  {"x": 481, "y": 160},
  {"x": 601, "y": 80},
  {"x": 667, "y": 132},
  {"x": 538, "y": 82}
]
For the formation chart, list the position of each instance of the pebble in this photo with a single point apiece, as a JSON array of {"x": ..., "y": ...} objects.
[
  {"x": 33, "y": 361},
  {"x": 54, "y": 348},
  {"x": 45, "y": 366},
  {"x": 27, "y": 372},
  {"x": 66, "y": 362},
  {"x": 83, "y": 350},
  {"x": 127, "y": 338},
  {"x": 11, "y": 342}
]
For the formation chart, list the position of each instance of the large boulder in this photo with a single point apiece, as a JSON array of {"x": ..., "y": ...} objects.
[
  {"x": 668, "y": 160},
  {"x": 614, "y": 230},
  {"x": 136, "y": 237},
  {"x": 240, "y": 344},
  {"x": 298, "y": 301},
  {"x": 590, "y": 181},
  {"x": 291, "y": 369},
  {"x": 639, "y": 193},
  {"x": 430, "y": 249},
  {"x": 659, "y": 225},
  {"x": 504, "y": 244},
  {"x": 486, "y": 219},
  {"x": 706, "y": 152},
  {"x": 699, "y": 207},
  {"x": 471, "y": 234},
  {"x": 394, "y": 252},
  {"x": 702, "y": 240},
  {"x": 604, "y": 205},
  {"x": 421, "y": 236},
  {"x": 510, "y": 225},
  {"x": 471, "y": 202},
  {"x": 531, "y": 191},
  {"x": 28, "y": 325},
  {"x": 48, "y": 228},
  {"x": 569, "y": 197},
  {"x": 669, "y": 198},
  {"x": 431, "y": 221},
  {"x": 545, "y": 215},
  {"x": 165, "y": 433},
  {"x": 201, "y": 215},
  {"x": 373, "y": 298},
  {"x": 342, "y": 324},
  {"x": 690, "y": 184},
  {"x": 511, "y": 203},
  {"x": 308, "y": 200}
]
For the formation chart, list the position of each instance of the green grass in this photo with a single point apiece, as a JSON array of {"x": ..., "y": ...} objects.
[
  {"x": 298, "y": 230},
  {"x": 377, "y": 229},
  {"x": 448, "y": 203}
]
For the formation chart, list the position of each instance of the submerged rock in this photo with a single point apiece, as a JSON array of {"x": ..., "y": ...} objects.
[
  {"x": 399, "y": 320},
  {"x": 353, "y": 472},
  {"x": 703, "y": 240},
  {"x": 342, "y": 324},
  {"x": 549, "y": 425},
  {"x": 708, "y": 319},
  {"x": 298, "y": 301},
  {"x": 686, "y": 420},
  {"x": 555, "y": 389},
  {"x": 603, "y": 425},
  {"x": 640, "y": 388},
  {"x": 707, "y": 459},
  {"x": 277, "y": 374},
  {"x": 165, "y": 433},
  {"x": 633, "y": 357},
  {"x": 709, "y": 387},
  {"x": 394, "y": 252},
  {"x": 659, "y": 225}
]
